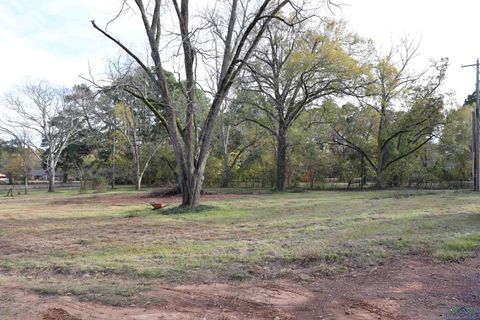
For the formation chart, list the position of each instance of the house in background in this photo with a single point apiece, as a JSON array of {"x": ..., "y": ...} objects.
[
  {"x": 41, "y": 175},
  {"x": 38, "y": 174},
  {"x": 3, "y": 178}
]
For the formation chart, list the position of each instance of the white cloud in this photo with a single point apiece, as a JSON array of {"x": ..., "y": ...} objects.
[{"x": 54, "y": 39}]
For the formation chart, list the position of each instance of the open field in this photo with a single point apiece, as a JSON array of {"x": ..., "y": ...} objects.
[{"x": 311, "y": 255}]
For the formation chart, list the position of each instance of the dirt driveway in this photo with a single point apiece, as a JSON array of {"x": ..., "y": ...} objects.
[{"x": 410, "y": 289}]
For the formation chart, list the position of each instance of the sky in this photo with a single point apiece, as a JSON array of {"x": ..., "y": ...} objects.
[
  {"x": 444, "y": 28},
  {"x": 54, "y": 40}
]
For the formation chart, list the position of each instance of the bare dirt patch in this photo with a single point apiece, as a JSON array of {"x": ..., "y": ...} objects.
[
  {"x": 281, "y": 256},
  {"x": 58, "y": 314},
  {"x": 405, "y": 289}
]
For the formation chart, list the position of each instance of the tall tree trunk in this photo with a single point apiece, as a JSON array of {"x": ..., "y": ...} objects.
[
  {"x": 379, "y": 183},
  {"x": 138, "y": 184},
  {"x": 191, "y": 191},
  {"x": 225, "y": 141},
  {"x": 363, "y": 172},
  {"x": 281, "y": 158},
  {"x": 114, "y": 152},
  {"x": 138, "y": 175},
  {"x": 25, "y": 174},
  {"x": 226, "y": 171},
  {"x": 379, "y": 169},
  {"x": 51, "y": 178}
]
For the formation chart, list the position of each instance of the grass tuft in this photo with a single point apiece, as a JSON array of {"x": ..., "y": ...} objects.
[
  {"x": 112, "y": 293},
  {"x": 463, "y": 313},
  {"x": 459, "y": 248}
]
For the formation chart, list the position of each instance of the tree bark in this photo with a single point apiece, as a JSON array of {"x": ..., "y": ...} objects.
[
  {"x": 191, "y": 190},
  {"x": 25, "y": 173},
  {"x": 26, "y": 184},
  {"x": 379, "y": 183},
  {"x": 225, "y": 141},
  {"x": 138, "y": 175},
  {"x": 281, "y": 158},
  {"x": 138, "y": 185},
  {"x": 379, "y": 168},
  {"x": 363, "y": 171},
  {"x": 226, "y": 172},
  {"x": 51, "y": 178},
  {"x": 114, "y": 152},
  {"x": 312, "y": 180}
]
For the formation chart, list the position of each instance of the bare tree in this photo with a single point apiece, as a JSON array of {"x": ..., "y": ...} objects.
[
  {"x": 40, "y": 118},
  {"x": 239, "y": 25},
  {"x": 139, "y": 136},
  {"x": 131, "y": 118}
]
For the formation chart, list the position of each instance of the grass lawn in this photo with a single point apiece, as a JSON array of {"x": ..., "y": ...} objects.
[{"x": 102, "y": 249}]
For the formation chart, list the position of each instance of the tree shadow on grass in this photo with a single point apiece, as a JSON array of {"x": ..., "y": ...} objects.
[{"x": 186, "y": 210}]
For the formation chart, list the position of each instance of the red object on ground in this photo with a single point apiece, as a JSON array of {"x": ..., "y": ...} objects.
[{"x": 158, "y": 205}]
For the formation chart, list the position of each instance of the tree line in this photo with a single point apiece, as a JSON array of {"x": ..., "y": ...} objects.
[{"x": 269, "y": 89}]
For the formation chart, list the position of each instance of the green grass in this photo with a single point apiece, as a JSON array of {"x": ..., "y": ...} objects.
[
  {"x": 460, "y": 247},
  {"x": 112, "y": 293},
  {"x": 252, "y": 236},
  {"x": 463, "y": 313}
]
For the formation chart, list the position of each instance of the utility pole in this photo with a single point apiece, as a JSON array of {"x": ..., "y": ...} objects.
[{"x": 475, "y": 117}]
